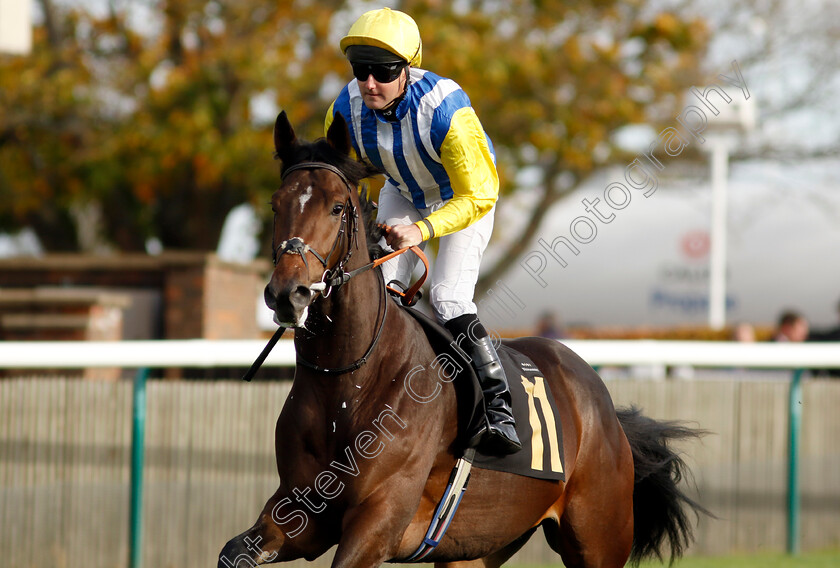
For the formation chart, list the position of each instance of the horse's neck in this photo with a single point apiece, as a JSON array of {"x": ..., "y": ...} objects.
[
  {"x": 377, "y": 392},
  {"x": 341, "y": 327}
]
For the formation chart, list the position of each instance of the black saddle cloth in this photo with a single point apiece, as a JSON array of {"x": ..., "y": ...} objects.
[{"x": 534, "y": 409}]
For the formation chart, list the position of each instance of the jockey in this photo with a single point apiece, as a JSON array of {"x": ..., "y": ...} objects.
[{"x": 441, "y": 182}]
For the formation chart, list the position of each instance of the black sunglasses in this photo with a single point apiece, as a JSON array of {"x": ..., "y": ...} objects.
[{"x": 382, "y": 72}]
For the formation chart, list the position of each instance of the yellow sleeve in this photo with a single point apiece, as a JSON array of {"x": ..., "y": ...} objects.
[
  {"x": 328, "y": 120},
  {"x": 466, "y": 156}
]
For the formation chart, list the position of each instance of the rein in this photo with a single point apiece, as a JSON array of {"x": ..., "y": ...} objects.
[
  {"x": 407, "y": 298},
  {"x": 361, "y": 361},
  {"x": 336, "y": 277}
]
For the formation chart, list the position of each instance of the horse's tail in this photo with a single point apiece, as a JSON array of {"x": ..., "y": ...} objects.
[{"x": 660, "y": 507}]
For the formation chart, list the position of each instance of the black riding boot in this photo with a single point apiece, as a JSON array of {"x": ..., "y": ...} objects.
[
  {"x": 496, "y": 433},
  {"x": 499, "y": 433}
]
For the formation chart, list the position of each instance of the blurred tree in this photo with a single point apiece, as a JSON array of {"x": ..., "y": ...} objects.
[
  {"x": 158, "y": 130},
  {"x": 154, "y": 128},
  {"x": 552, "y": 81},
  {"x": 788, "y": 51}
]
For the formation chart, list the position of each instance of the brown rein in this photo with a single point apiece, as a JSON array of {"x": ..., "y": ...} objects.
[
  {"x": 406, "y": 298},
  {"x": 336, "y": 277}
]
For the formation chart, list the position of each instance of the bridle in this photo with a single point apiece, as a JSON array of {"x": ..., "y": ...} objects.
[
  {"x": 334, "y": 278},
  {"x": 337, "y": 276}
]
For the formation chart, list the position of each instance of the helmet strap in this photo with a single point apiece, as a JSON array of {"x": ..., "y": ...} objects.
[{"x": 390, "y": 111}]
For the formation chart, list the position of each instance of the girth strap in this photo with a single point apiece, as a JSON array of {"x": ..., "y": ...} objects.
[{"x": 445, "y": 511}]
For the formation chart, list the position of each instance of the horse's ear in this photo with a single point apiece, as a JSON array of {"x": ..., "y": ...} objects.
[
  {"x": 338, "y": 135},
  {"x": 284, "y": 136}
]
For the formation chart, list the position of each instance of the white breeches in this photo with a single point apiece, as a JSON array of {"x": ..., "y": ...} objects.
[{"x": 452, "y": 282}]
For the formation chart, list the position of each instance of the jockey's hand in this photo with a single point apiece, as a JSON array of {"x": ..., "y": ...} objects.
[{"x": 401, "y": 236}]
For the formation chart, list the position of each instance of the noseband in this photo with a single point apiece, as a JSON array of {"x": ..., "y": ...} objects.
[
  {"x": 335, "y": 277},
  {"x": 332, "y": 277}
]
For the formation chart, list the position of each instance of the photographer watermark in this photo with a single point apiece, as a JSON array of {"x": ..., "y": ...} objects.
[{"x": 640, "y": 176}]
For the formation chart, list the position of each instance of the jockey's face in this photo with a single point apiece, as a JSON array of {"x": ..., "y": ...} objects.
[{"x": 376, "y": 95}]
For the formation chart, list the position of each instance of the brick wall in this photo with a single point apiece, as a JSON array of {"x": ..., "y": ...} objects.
[
  {"x": 230, "y": 292},
  {"x": 61, "y": 314},
  {"x": 183, "y": 294},
  {"x": 69, "y": 313},
  {"x": 201, "y": 296}
]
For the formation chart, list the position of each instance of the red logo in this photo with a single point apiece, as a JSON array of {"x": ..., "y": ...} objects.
[{"x": 696, "y": 244}]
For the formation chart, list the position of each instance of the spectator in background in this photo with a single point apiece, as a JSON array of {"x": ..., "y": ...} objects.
[
  {"x": 548, "y": 326},
  {"x": 792, "y": 327}
]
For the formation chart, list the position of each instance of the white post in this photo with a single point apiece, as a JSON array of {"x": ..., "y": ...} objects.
[
  {"x": 16, "y": 26},
  {"x": 717, "y": 259}
]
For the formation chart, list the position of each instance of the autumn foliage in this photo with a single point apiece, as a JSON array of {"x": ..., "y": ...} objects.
[{"x": 134, "y": 124}]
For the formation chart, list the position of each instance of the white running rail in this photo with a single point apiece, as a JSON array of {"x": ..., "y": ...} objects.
[{"x": 241, "y": 353}]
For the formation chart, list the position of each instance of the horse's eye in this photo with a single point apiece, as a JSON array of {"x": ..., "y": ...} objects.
[{"x": 337, "y": 209}]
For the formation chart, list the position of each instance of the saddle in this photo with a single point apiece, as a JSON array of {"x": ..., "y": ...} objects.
[{"x": 534, "y": 409}]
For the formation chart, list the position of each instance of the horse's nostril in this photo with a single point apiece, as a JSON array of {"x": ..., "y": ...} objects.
[
  {"x": 300, "y": 297},
  {"x": 287, "y": 302},
  {"x": 270, "y": 298}
]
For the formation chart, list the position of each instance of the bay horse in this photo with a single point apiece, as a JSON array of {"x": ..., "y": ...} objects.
[{"x": 362, "y": 462}]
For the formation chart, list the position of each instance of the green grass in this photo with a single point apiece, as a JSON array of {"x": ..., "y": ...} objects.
[{"x": 829, "y": 559}]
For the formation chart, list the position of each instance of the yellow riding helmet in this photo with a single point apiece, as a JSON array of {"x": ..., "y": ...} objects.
[{"x": 389, "y": 29}]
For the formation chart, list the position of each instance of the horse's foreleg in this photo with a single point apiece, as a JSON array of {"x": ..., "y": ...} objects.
[
  {"x": 278, "y": 535},
  {"x": 371, "y": 533},
  {"x": 255, "y": 546}
]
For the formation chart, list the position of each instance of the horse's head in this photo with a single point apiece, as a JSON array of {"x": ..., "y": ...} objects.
[{"x": 316, "y": 218}]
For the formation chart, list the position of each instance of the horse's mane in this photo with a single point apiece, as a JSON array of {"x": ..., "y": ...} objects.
[{"x": 355, "y": 170}]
